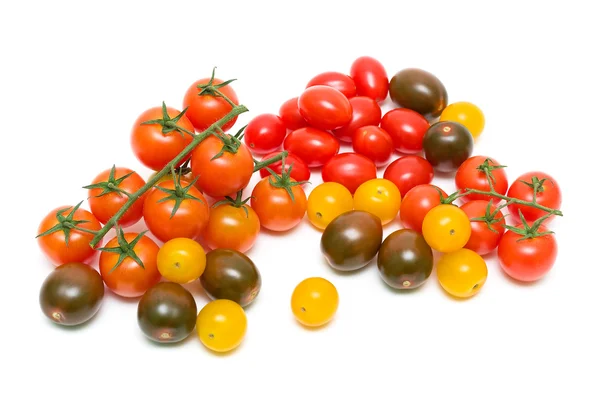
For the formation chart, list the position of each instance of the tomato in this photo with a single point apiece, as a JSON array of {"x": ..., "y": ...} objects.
[
  {"x": 527, "y": 260},
  {"x": 313, "y": 146},
  {"x": 417, "y": 203},
  {"x": 290, "y": 115},
  {"x": 548, "y": 195},
  {"x": 379, "y": 197},
  {"x": 467, "y": 114},
  {"x": 231, "y": 227},
  {"x": 221, "y": 325},
  {"x": 205, "y": 109},
  {"x": 370, "y": 78},
  {"x": 447, "y": 145},
  {"x": 407, "y": 129},
  {"x": 365, "y": 111},
  {"x": 184, "y": 176},
  {"x": 300, "y": 171},
  {"x": 373, "y": 142},
  {"x": 276, "y": 209},
  {"x": 225, "y": 175},
  {"x": 314, "y": 301},
  {"x": 420, "y": 91},
  {"x": 326, "y": 202},
  {"x": 324, "y": 107},
  {"x": 105, "y": 201},
  {"x": 336, "y": 80},
  {"x": 181, "y": 260},
  {"x": 155, "y": 145},
  {"x": 51, "y": 239},
  {"x": 446, "y": 228},
  {"x": 462, "y": 273},
  {"x": 350, "y": 170},
  {"x": 471, "y": 175},
  {"x": 130, "y": 279},
  {"x": 409, "y": 171},
  {"x": 178, "y": 213},
  {"x": 265, "y": 133},
  {"x": 483, "y": 240}
]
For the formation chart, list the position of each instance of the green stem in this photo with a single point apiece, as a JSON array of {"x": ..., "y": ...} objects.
[
  {"x": 260, "y": 165},
  {"x": 79, "y": 228},
  {"x": 514, "y": 201}
]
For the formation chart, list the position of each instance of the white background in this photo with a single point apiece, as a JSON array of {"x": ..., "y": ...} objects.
[{"x": 74, "y": 78}]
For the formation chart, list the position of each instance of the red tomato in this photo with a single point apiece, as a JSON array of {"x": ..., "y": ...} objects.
[
  {"x": 222, "y": 176},
  {"x": 290, "y": 115},
  {"x": 365, "y": 111},
  {"x": 231, "y": 227},
  {"x": 324, "y": 107},
  {"x": 417, "y": 203},
  {"x": 300, "y": 171},
  {"x": 370, "y": 78},
  {"x": 206, "y": 109},
  {"x": 350, "y": 170},
  {"x": 373, "y": 142},
  {"x": 468, "y": 176},
  {"x": 265, "y": 133},
  {"x": 530, "y": 259},
  {"x": 336, "y": 80},
  {"x": 548, "y": 195},
  {"x": 407, "y": 129},
  {"x": 276, "y": 210},
  {"x": 154, "y": 148},
  {"x": 409, "y": 171},
  {"x": 483, "y": 240},
  {"x": 313, "y": 146}
]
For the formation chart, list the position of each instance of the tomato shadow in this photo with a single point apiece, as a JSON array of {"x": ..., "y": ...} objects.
[
  {"x": 271, "y": 233},
  {"x": 353, "y": 272},
  {"x": 312, "y": 328},
  {"x": 196, "y": 289},
  {"x": 122, "y": 299},
  {"x": 518, "y": 282}
]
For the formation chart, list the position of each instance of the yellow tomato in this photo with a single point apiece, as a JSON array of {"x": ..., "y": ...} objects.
[
  {"x": 446, "y": 228},
  {"x": 221, "y": 325},
  {"x": 314, "y": 301},
  {"x": 462, "y": 273},
  {"x": 380, "y": 197},
  {"x": 467, "y": 114},
  {"x": 181, "y": 260},
  {"x": 327, "y": 201}
]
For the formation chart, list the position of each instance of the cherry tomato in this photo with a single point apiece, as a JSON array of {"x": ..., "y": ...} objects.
[
  {"x": 483, "y": 240},
  {"x": 300, "y": 171},
  {"x": 409, "y": 171},
  {"x": 203, "y": 110},
  {"x": 231, "y": 227},
  {"x": 183, "y": 176},
  {"x": 349, "y": 169},
  {"x": 417, "y": 203},
  {"x": 276, "y": 210},
  {"x": 315, "y": 301},
  {"x": 380, "y": 197},
  {"x": 462, "y": 273},
  {"x": 420, "y": 91},
  {"x": 181, "y": 260},
  {"x": 290, "y": 115},
  {"x": 336, "y": 80},
  {"x": 313, "y": 146},
  {"x": 447, "y": 145},
  {"x": 326, "y": 202},
  {"x": 527, "y": 260},
  {"x": 446, "y": 228},
  {"x": 221, "y": 325},
  {"x": 548, "y": 195},
  {"x": 265, "y": 133},
  {"x": 365, "y": 111},
  {"x": 373, "y": 142},
  {"x": 470, "y": 175},
  {"x": 467, "y": 114},
  {"x": 370, "y": 78},
  {"x": 407, "y": 129},
  {"x": 324, "y": 107}
]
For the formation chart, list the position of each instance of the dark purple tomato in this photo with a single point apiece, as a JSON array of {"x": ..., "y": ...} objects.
[
  {"x": 447, "y": 145},
  {"x": 420, "y": 91}
]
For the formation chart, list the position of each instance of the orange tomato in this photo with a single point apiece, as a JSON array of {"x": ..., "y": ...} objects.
[
  {"x": 275, "y": 208},
  {"x": 231, "y": 227}
]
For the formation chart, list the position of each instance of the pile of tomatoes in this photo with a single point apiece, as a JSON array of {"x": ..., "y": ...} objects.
[{"x": 197, "y": 197}]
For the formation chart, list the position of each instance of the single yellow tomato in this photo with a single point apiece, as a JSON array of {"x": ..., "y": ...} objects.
[
  {"x": 221, "y": 325},
  {"x": 446, "y": 228},
  {"x": 462, "y": 273},
  {"x": 181, "y": 260},
  {"x": 380, "y": 197},
  {"x": 467, "y": 114},
  {"x": 327, "y": 201},
  {"x": 315, "y": 301}
]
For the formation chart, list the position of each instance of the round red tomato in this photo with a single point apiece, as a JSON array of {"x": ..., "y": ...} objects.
[
  {"x": 370, "y": 78},
  {"x": 471, "y": 175},
  {"x": 417, "y": 203},
  {"x": 325, "y": 107},
  {"x": 313, "y": 146},
  {"x": 483, "y": 240},
  {"x": 336, "y": 80},
  {"x": 350, "y": 170},
  {"x": 373, "y": 142},
  {"x": 265, "y": 133},
  {"x": 548, "y": 195},
  {"x": 365, "y": 111},
  {"x": 300, "y": 171},
  {"x": 409, "y": 171},
  {"x": 290, "y": 115},
  {"x": 205, "y": 109},
  {"x": 276, "y": 209},
  {"x": 407, "y": 129}
]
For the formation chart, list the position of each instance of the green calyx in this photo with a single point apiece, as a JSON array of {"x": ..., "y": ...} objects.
[
  {"x": 111, "y": 185},
  {"x": 284, "y": 181},
  {"x": 530, "y": 231},
  {"x": 210, "y": 89},
  {"x": 237, "y": 202},
  {"x": 487, "y": 169},
  {"x": 124, "y": 249},
  {"x": 66, "y": 223},
  {"x": 231, "y": 144},
  {"x": 490, "y": 217},
  {"x": 178, "y": 193},
  {"x": 169, "y": 124},
  {"x": 537, "y": 185}
]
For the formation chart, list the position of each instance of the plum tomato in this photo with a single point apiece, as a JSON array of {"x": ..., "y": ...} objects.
[
  {"x": 471, "y": 175},
  {"x": 462, "y": 273},
  {"x": 265, "y": 133},
  {"x": 484, "y": 240},
  {"x": 221, "y": 325},
  {"x": 379, "y": 197},
  {"x": 370, "y": 78},
  {"x": 409, "y": 171},
  {"x": 326, "y": 202},
  {"x": 350, "y": 170},
  {"x": 467, "y": 114},
  {"x": 446, "y": 228},
  {"x": 407, "y": 129},
  {"x": 324, "y": 107},
  {"x": 181, "y": 260},
  {"x": 279, "y": 203},
  {"x": 290, "y": 115},
  {"x": 420, "y": 91},
  {"x": 232, "y": 227},
  {"x": 313, "y": 146},
  {"x": 336, "y": 80},
  {"x": 300, "y": 172},
  {"x": 447, "y": 145},
  {"x": 365, "y": 111},
  {"x": 373, "y": 142},
  {"x": 314, "y": 301},
  {"x": 417, "y": 203},
  {"x": 547, "y": 193},
  {"x": 205, "y": 108}
]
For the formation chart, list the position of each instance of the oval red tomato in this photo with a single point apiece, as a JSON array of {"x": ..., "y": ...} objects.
[
  {"x": 417, "y": 203},
  {"x": 407, "y": 129},
  {"x": 324, "y": 107},
  {"x": 409, "y": 171},
  {"x": 370, "y": 78},
  {"x": 290, "y": 115},
  {"x": 265, "y": 133},
  {"x": 206, "y": 109},
  {"x": 350, "y": 170},
  {"x": 373, "y": 142},
  {"x": 548, "y": 195},
  {"x": 313, "y": 146},
  {"x": 470, "y": 175},
  {"x": 483, "y": 240},
  {"x": 365, "y": 111},
  {"x": 336, "y": 80}
]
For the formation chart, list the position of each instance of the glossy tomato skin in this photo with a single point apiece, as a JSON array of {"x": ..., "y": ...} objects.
[
  {"x": 447, "y": 145},
  {"x": 314, "y": 301},
  {"x": 300, "y": 172},
  {"x": 313, "y": 146},
  {"x": 204, "y": 110},
  {"x": 350, "y": 170},
  {"x": 446, "y": 228},
  {"x": 275, "y": 208},
  {"x": 327, "y": 201},
  {"x": 336, "y": 80},
  {"x": 409, "y": 171},
  {"x": 370, "y": 78},
  {"x": 407, "y": 129},
  {"x": 405, "y": 260},
  {"x": 550, "y": 196},
  {"x": 181, "y": 260},
  {"x": 222, "y": 176},
  {"x": 351, "y": 240},
  {"x": 379, "y": 197},
  {"x": 483, "y": 240},
  {"x": 365, "y": 111},
  {"x": 265, "y": 133},
  {"x": 417, "y": 203},
  {"x": 231, "y": 227},
  {"x": 373, "y": 142},
  {"x": 290, "y": 115},
  {"x": 467, "y": 114},
  {"x": 462, "y": 273},
  {"x": 469, "y": 177},
  {"x": 221, "y": 325},
  {"x": 324, "y": 107},
  {"x": 420, "y": 91},
  {"x": 151, "y": 146}
]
